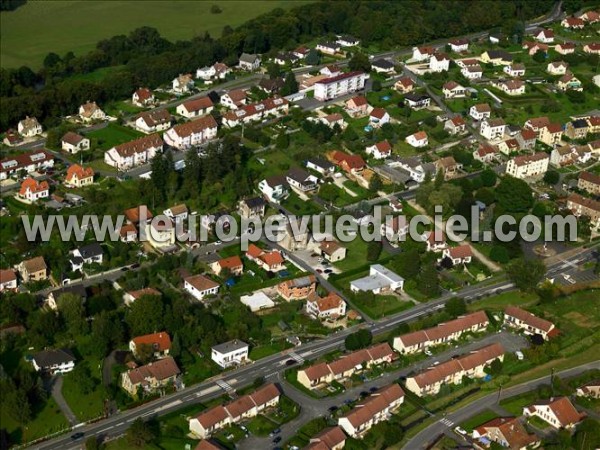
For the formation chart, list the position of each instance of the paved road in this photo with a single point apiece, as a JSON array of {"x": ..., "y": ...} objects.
[
  {"x": 430, "y": 434},
  {"x": 271, "y": 366},
  {"x": 313, "y": 408}
]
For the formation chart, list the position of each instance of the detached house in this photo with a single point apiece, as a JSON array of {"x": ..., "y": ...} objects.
[
  {"x": 332, "y": 306},
  {"x": 301, "y": 180},
  {"x": 459, "y": 45},
  {"x": 88, "y": 254},
  {"x": 195, "y": 108},
  {"x": 452, "y": 89},
  {"x": 526, "y": 166},
  {"x": 78, "y": 176},
  {"x": 349, "y": 163},
  {"x": 514, "y": 70},
  {"x": 33, "y": 190},
  {"x": 8, "y": 280},
  {"x": 378, "y": 117},
  {"x": 558, "y": 412},
  {"x": 357, "y": 106},
  {"x": 497, "y": 57},
  {"x": 29, "y": 127},
  {"x": 233, "y": 265},
  {"x": 474, "y": 72},
  {"x": 153, "y": 121},
  {"x": 192, "y": 134},
  {"x": 298, "y": 288},
  {"x": 54, "y": 361},
  {"x": 183, "y": 84},
  {"x": 159, "y": 343},
  {"x": 376, "y": 408},
  {"x": 379, "y": 280},
  {"x": 34, "y": 269},
  {"x": 252, "y": 207},
  {"x": 422, "y": 53},
  {"x": 329, "y": 48},
  {"x": 485, "y": 153},
  {"x": 456, "y": 125},
  {"x": 332, "y": 251},
  {"x": 572, "y": 23},
  {"x": 591, "y": 390},
  {"x": 232, "y": 353},
  {"x": 557, "y": 68},
  {"x": 592, "y": 49},
  {"x": 234, "y": 99},
  {"x": 199, "y": 286},
  {"x": 89, "y": 112},
  {"x": 526, "y": 139},
  {"x": 507, "y": 432},
  {"x": 383, "y": 65},
  {"x": 320, "y": 165},
  {"x": 565, "y": 48},
  {"x": 569, "y": 82},
  {"x": 380, "y": 150},
  {"x": 134, "y": 153},
  {"x": 493, "y": 128},
  {"x": 142, "y": 97},
  {"x": 272, "y": 261},
  {"x": 404, "y": 85},
  {"x": 529, "y": 323},
  {"x": 177, "y": 213},
  {"x": 418, "y": 139},
  {"x": 448, "y": 166},
  {"x": 461, "y": 254},
  {"x": 151, "y": 377},
  {"x": 480, "y": 111},
  {"x": 545, "y": 36},
  {"x": 73, "y": 142},
  {"x": 249, "y": 62},
  {"x": 417, "y": 101},
  {"x": 511, "y": 87},
  {"x": 537, "y": 124},
  {"x": 347, "y": 41},
  {"x": 577, "y": 129},
  {"x": 439, "y": 62},
  {"x": 274, "y": 189}
]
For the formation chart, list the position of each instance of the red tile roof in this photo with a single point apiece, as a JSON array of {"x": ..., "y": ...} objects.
[
  {"x": 195, "y": 126},
  {"x": 201, "y": 283},
  {"x": 233, "y": 262},
  {"x": 140, "y": 145},
  {"x": 76, "y": 171},
  {"x": 198, "y": 104},
  {"x": 529, "y": 318},
  {"x": 160, "y": 342}
]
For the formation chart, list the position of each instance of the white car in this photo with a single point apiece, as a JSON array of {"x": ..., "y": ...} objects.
[{"x": 460, "y": 431}]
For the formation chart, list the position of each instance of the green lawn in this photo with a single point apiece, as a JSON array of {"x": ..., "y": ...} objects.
[
  {"x": 112, "y": 135},
  {"x": 499, "y": 302},
  {"x": 84, "y": 406},
  {"x": 356, "y": 255},
  {"x": 382, "y": 305},
  {"x": 33, "y": 30},
  {"x": 481, "y": 418},
  {"x": 47, "y": 419},
  {"x": 266, "y": 350},
  {"x": 261, "y": 426}
]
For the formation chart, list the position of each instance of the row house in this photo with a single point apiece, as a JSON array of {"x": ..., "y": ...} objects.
[
  {"x": 246, "y": 407},
  {"x": 581, "y": 206},
  {"x": 298, "y": 288},
  {"x": 376, "y": 408},
  {"x": 481, "y": 111},
  {"x": 143, "y": 97},
  {"x": 134, "y": 153},
  {"x": 471, "y": 365},
  {"x": 589, "y": 182},
  {"x": 151, "y": 377},
  {"x": 577, "y": 129},
  {"x": 73, "y": 143},
  {"x": 331, "y": 306},
  {"x": 558, "y": 412},
  {"x": 331, "y": 438},
  {"x": 195, "y": 108},
  {"x": 28, "y": 162},
  {"x": 526, "y": 166},
  {"x": 153, "y": 121},
  {"x": 441, "y": 334},
  {"x": 339, "y": 85},
  {"x": 191, "y": 134},
  {"x": 274, "y": 107},
  {"x": 318, "y": 374},
  {"x": 529, "y": 323}
]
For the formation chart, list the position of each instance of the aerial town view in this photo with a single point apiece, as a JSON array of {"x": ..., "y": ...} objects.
[{"x": 300, "y": 224}]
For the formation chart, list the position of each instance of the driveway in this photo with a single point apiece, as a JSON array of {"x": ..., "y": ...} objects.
[{"x": 54, "y": 385}]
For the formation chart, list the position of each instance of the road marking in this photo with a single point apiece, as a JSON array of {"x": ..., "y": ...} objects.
[
  {"x": 447, "y": 422},
  {"x": 225, "y": 386},
  {"x": 121, "y": 423},
  {"x": 299, "y": 359},
  {"x": 272, "y": 374}
]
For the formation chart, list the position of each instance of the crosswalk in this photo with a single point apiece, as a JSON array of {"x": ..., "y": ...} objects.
[
  {"x": 447, "y": 422},
  {"x": 299, "y": 359},
  {"x": 225, "y": 386}
]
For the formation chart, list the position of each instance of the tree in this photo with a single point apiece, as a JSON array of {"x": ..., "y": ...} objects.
[
  {"x": 455, "y": 307},
  {"x": 428, "y": 282},
  {"x": 376, "y": 86},
  {"x": 51, "y": 60},
  {"x": 175, "y": 350},
  {"x": 282, "y": 141},
  {"x": 407, "y": 264},
  {"x": 495, "y": 368},
  {"x": 499, "y": 254},
  {"x": 551, "y": 177},
  {"x": 375, "y": 183},
  {"x": 514, "y": 195},
  {"x": 82, "y": 378},
  {"x": 145, "y": 315},
  {"x": 359, "y": 62},
  {"x": 373, "y": 251},
  {"x": 359, "y": 339},
  {"x": 290, "y": 84},
  {"x": 72, "y": 310},
  {"x": 587, "y": 436},
  {"x": 488, "y": 178},
  {"x": 313, "y": 58},
  {"x": 539, "y": 57},
  {"x": 526, "y": 274},
  {"x": 140, "y": 434},
  {"x": 92, "y": 443},
  {"x": 215, "y": 9}
]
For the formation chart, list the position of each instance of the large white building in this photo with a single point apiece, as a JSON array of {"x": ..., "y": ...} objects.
[
  {"x": 29, "y": 162},
  {"x": 189, "y": 134},
  {"x": 199, "y": 286},
  {"x": 528, "y": 165},
  {"x": 134, "y": 153},
  {"x": 343, "y": 84},
  {"x": 380, "y": 279},
  {"x": 232, "y": 353}
]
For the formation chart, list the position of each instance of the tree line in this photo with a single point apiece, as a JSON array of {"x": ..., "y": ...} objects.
[{"x": 144, "y": 58}]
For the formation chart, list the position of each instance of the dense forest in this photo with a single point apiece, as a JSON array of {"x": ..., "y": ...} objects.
[{"x": 147, "y": 59}]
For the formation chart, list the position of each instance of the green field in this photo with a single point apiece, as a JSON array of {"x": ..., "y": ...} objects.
[{"x": 32, "y": 31}]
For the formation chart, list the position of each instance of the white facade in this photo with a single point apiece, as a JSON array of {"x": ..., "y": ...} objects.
[
  {"x": 491, "y": 129},
  {"x": 439, "y": 63},
  {"x": 528, "y": 166},
  {"x": 190, "y": 134},
  {"x": 343, "y": 84},
  {"x": 130, "y": 154},
  {"x": 231, "y": 353}
]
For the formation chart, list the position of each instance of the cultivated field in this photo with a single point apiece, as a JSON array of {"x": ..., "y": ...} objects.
[{"x": 41, "y": 26}]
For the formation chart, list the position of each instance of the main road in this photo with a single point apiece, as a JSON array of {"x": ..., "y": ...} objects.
[{"x": 273, "y": 365}]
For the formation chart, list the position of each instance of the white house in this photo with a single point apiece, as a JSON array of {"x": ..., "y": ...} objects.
[
  {"x": 190, "y": 134},
  {"x": 199, "y": 286},
  {"x": 329, "y": 48},
  {"x": 88, "y": 254},
  {"x": 29, "y": 127},
  {"x": 511, "y": 87},
  {"x": 153, "y": 121},
  {"x": 320, "y": 165},
  {"x": 461, "y": 254},
  {"x": 558, "y": 412},
  {"x": 557, "y": 68},
  {"x": 73, "y": 142},
  {"x": 177, "y": 213},
  {"x": 383, "y": 65},
  {"x": 380, "y": 150},
  {"x": 54, "y": 361},
  {"x": 379, "y": 280},
  {"x": 301, "y": 180},
  {"x": 422, "y": 53},
  {"x": 514, "y": 70},
  {"x": 8, "y": 280},
  {"x": 452, "y": 89},
  {"x": 28, "y": 162},
  {"x": 195, "y": 108},
  {"x": 480, "y": 111},
  {"x": 339, "y": 85},
  {"x": 493, "y": 128},
  {"x": 529, "y": 323},
  {"x": 331, "y": 306},
  {"x": 234, "y": 99},
  {"x": 232, "y": 353},
  {"x": 89, "y": 112},
  {"x": 134, "y": 153},
  {"x": 545, "y": 36},
  {"x": 378, "y": 117},
  {"x": 275, "y": 188},
  {"x": 459, "y": 45},
  {"x": 472, "y": 72},
  {"x": 33, "y": 190},
  {"x": 273, "y": 107},
  {"x": 528, "y": 165},
  {"x": 249, "y": 62},
  {"x": 183, "y": 83},
  {"x": 142, "y": 97},
  {"x": 418, "y": 139},
  {"x": 439, "y": 62},
  {"x": 347, "y": 41}
]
